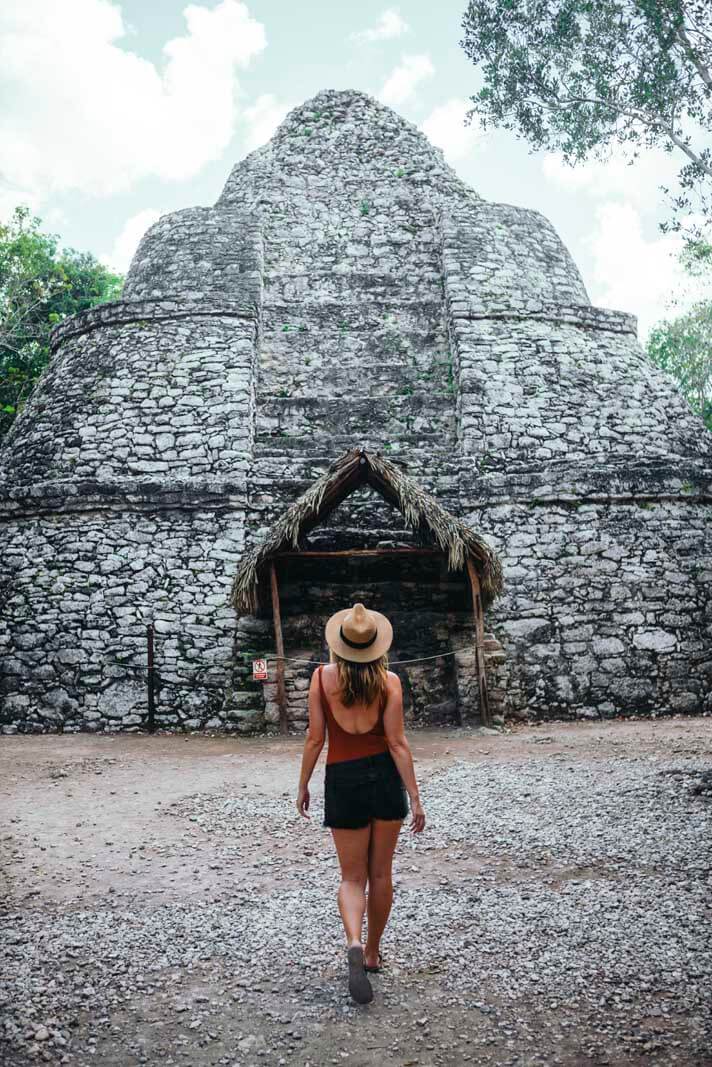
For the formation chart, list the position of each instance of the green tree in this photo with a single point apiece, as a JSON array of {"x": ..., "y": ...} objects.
[
  {"x": 683, "y": 348},
  {"x": 40, "y": 284},
  {"x": 578, "y": 76}
]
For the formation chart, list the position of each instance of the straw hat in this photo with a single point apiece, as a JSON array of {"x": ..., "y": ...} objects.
[{"x": 359, "y": 635}]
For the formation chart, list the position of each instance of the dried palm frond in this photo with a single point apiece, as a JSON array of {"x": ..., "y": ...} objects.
[{"x": 420, "y": 510}]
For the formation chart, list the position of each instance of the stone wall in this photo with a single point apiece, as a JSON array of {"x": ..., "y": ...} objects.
[
  {"x": 541, "y": 391},
  {"x": 593, "y": 478},
  {"x": 607, "y": 609},
  {"x": 348, "y": 289},
  {"x": 80, "y": 602},
  {"x": 123, "y": 500}
]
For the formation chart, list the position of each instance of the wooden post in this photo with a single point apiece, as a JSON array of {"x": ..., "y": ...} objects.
[
  {"x": 281, "y": 691},
  {"x": 479, "y": 641},
  {"x": 151, "y": 698}
]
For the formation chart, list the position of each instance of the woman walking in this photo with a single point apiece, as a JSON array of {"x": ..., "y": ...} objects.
[{"x": 358, "y": 702}]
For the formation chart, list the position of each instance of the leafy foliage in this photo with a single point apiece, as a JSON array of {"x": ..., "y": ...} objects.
[
  {"x": 683, "y": 348},
  {"x": 40, "y": 284},
  {"x": 579, "y": 76}
]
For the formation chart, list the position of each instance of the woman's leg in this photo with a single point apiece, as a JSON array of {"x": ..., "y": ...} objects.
[
  {"x": 384, "y": 837},
  {"x": 352, "y": 850}
]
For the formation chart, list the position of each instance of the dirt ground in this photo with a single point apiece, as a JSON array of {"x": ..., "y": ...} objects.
[{"x": 162, "y": 901}]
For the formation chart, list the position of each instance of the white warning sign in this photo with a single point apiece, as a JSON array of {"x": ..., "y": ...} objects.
[{"x": 259, "y": 670}]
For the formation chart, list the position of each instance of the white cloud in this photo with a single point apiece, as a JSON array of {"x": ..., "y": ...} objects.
[
  {"x": 120, "y": 256},
  {"x": 445, "y": 127},
  {"x": 616, "y": 176},
  {"x": 262, "y": 119},
  {"x": 631, "y": 271},
  {"x": 405, "y": 78},
  {"x": 12, "y": 196},
  {"x": 390, "y": 24},
  {"x": 634, "y": 273},
  {"x": 83, "y": 112}
]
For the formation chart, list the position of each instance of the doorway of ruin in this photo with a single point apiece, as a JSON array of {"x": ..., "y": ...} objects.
[{"x": 432, "y": 593}]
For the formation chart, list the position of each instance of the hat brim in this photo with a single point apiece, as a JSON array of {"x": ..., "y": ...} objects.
[{"x": 384, "y": 638}]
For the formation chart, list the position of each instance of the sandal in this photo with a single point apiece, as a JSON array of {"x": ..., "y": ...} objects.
[
  {"x": 359, "y": 985},
  {"x": 375, "y": 970}
]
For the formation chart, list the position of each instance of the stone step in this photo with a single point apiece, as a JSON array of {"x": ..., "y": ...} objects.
[
  {"x": 421, "y": 449},
  {"x": 293, "y": 320},
  {"x": 363, "y": 247},
  {"x": 272, "y": 462},
  {"x": 358, "y": 258},
  {"x": 291, "y": 377},
  {"x": 391, "y": 332},
  {"x": 330, "y": 343},
  {"x": 318, "y": 416},
  {"x": 409, "y": 231},
  {"x": 311, "y": 287},
  {"x": 394, "y": 181},
  {"x": 408, "y": 210},
  {"x": 267, "y": 485}
]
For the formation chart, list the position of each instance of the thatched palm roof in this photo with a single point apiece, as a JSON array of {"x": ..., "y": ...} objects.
[{"x": 420, "y": 510}]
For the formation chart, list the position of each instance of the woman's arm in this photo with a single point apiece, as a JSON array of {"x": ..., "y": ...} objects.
[
  {"x": 394, "y": 727},
  {"x": 313, "y": 744}
]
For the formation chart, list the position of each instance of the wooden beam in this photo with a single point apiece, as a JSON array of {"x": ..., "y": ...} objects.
[
  {"x": 479, "y": 641},
  {"x": 276, "y": 614},
  {"x": 346, "y": 552}
]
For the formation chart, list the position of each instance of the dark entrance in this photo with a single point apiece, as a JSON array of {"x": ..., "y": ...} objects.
[{"x": 433, "y": 593}]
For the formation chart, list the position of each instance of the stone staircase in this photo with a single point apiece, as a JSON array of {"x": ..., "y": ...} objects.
[{"x": 353, "y": 351}]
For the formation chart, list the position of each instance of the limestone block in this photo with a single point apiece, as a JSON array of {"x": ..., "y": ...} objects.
[
  {"x": 607, "y": 646},
  {"x": 655, "y": 640}
]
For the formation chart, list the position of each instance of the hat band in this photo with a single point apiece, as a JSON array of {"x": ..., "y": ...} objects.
[{"x": 357, "y": 644}]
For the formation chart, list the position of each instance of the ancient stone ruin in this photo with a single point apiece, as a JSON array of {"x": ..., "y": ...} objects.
[{"x": 349, "y": 291}]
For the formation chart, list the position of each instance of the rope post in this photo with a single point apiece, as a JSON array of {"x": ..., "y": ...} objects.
[
  {"x": 150, "y": 680},
  {"x": 281, "y": 690},
  {"x": 479, "y": 641}
]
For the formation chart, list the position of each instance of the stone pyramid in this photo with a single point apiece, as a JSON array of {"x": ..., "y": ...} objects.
[{"x": 346, "y": 289}]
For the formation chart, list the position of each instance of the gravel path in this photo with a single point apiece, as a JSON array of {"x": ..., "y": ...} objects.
[{"x": 163, "y": 902}]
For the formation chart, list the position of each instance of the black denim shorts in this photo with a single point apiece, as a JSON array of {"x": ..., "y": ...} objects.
[{"x": 358, "y": 790}]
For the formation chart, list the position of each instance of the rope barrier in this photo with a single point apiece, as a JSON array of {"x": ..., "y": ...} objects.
[
  {"x": 391, "y": 663},
  {"x": 305, "y": 662}
]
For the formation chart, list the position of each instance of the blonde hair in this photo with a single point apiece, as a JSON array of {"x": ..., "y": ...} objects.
[{"x": 361, "y": 683}]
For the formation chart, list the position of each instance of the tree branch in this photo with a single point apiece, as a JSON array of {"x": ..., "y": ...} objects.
[
  {"x": 636, "y": 116},
  {"x": 694, "y": 58},
  {"x": 697, "y": 160}
]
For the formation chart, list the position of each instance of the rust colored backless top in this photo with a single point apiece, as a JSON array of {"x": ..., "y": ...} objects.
[{"x": 344, "y": 745}]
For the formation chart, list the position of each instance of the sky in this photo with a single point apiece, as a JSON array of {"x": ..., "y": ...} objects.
[{"x": 114, "y": 113}]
